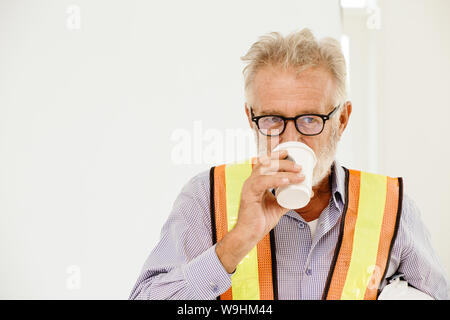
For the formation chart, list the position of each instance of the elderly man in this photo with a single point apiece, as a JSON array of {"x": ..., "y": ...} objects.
[{"x": 339, "y": 246}]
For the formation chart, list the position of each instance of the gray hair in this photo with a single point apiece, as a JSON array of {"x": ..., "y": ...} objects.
[{"x": 299, "y": 50}]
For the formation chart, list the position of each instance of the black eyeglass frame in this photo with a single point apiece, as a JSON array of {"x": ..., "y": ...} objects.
[{"x": 324, "y": 118}]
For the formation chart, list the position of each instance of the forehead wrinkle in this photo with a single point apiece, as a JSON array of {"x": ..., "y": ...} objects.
[
  {"x": 277, "y": 112},
  {"x": 276, "y": 91},
  {"x": 289, "y": 108}
]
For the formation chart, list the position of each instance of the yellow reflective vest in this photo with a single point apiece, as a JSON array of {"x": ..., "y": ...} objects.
[{"x": 368, "y": 228}]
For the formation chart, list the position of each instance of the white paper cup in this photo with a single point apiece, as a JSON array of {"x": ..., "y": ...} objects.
[{"x": 296, "y": 196}]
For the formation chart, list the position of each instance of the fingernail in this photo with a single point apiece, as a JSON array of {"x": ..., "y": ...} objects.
[{"x": 297, "y": 166}]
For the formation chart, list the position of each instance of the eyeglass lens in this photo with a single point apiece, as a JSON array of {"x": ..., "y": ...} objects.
[{"x": 274, "y": 125}]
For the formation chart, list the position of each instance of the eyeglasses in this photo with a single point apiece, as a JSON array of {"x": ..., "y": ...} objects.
[{"x": 310, "y": 124}]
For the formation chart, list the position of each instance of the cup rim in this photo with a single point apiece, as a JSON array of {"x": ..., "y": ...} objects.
[{"x": 295, "y": 144}]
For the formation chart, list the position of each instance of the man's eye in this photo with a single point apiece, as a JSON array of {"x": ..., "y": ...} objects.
[
  {"x": 271, "y": 121},
  {"x": 274, "y": 119},
  {"x": 308, "y": 120}
]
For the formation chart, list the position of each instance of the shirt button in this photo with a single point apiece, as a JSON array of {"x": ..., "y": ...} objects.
[
  {"x": 308, "y": 272},
  {"x": 301, "y": 225},
  {"x": 214, "y": 287}
]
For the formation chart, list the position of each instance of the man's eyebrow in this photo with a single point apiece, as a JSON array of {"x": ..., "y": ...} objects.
[
  {"x": 270, "y": 112},
  {"x": 275, "y": 112}
]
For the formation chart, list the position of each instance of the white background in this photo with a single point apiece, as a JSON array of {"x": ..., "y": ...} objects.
[{"x": 89, "y": 117}]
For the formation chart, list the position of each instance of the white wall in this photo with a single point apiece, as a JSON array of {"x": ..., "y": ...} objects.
[
  {"x": 415, "y": 107},
  {"x": 402, "y": 73},
  {"x": 88, "y": 109}
]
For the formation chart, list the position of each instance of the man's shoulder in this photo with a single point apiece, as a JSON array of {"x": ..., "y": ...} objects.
[
  {"x": 193, "y": 201},
  {"x": 198, "y": 185},
  {"x": 410, "y": 210},
  {"x": 201, "y": 178}
]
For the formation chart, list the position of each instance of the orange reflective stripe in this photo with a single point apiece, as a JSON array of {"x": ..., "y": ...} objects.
[
  {"x": 220, "y": 202},
  {"x": 265, "y": 268},
  {"x": 339, "y": 274},
  {"x": 220, "y": 213}
]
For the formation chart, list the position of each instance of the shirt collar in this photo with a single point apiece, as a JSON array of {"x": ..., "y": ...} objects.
[{"x": 338, "y": 184}]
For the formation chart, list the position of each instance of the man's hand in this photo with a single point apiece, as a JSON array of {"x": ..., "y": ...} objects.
[{"x": 259, "y": 211}]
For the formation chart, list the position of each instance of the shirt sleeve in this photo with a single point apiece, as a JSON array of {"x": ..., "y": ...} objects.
[
  {"x": 419, "y": 262},
  {"x": 184, "y": 264}
]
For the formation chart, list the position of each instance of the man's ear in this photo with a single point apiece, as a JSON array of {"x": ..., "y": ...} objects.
[
  {"x": 344, "y": 116},
  {"x": 249, "y": 116}
]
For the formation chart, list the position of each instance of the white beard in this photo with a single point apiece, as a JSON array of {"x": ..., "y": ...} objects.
[{"x": 325, "y": 158}]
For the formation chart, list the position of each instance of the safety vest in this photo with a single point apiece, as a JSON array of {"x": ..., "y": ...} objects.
[{"x": 368, "y": 229}]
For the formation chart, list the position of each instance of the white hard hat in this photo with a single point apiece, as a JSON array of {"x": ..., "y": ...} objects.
[{"x": 399, "y": 289}]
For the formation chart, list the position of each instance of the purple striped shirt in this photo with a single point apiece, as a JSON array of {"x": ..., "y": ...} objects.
[{"x": 184, "y": 264}]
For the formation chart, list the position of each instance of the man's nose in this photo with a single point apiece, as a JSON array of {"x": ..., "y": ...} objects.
[{"x": 290, "y": 132}]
